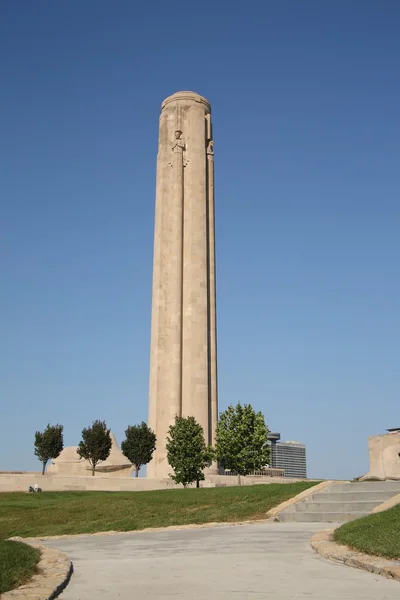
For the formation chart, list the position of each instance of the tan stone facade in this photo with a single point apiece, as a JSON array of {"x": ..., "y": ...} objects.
[
  {"x": 183, "y": 361},
  {"x": 384, "y": 456}
]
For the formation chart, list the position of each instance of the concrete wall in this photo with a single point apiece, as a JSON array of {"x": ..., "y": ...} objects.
[{"x": 14, "y": 482}]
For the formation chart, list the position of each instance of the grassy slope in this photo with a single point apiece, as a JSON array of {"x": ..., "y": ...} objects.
[
  {"x": 56, "y": 513},
  {"x": 377, "y": 534},
  {"x": 17, "y": 563}
]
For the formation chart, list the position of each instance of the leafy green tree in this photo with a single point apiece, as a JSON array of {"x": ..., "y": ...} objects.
[
  {"x": 139, "y": 445},
  {"x": 95, "y": 445},
  {"x": 241, "y": 439},
  {"x": 187, "y": 452},
  {"x": 48, "y": 444}
]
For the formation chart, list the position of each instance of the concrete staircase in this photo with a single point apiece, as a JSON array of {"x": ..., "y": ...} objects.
[{"x": 341, "y": 502}]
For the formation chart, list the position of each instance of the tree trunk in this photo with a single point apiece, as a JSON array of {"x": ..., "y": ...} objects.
[
  {"x": 93, "y": 470},
  {"x": 137, "y": 471},
  {"x": 44, "y": 466},
  {"x": 197, "y": 483}
]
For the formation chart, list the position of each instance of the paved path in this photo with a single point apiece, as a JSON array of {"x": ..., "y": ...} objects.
[{"x": 271, "y": 560}]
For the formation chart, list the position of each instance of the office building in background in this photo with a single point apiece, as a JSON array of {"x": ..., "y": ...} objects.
[{"x": 290, "y": 456}]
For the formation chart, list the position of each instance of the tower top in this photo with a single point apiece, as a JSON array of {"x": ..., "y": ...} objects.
[{"x": 186, "y": 96}]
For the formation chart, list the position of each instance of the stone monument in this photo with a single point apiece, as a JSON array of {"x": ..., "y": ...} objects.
[
  {"x": 69, "y": 464},
  {"x": 384, "y": 456},
  {"x": 183, "y": 359}
]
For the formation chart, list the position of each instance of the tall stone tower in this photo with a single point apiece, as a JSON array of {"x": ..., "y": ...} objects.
[{"x": 183, "y": 361}]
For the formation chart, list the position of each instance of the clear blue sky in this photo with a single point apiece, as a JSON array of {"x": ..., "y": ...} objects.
[{"x": 305, "y": 98}]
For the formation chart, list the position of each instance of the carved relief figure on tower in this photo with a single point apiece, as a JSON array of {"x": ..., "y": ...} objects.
[
  {"x": 178, "y": 145},
  {"x": 210, "y": 148}
]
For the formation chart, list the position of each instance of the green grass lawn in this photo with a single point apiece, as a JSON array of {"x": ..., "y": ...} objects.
[
  {"x": 377, "y": 534},
  {"x": 56, "y": 513},
  {"x": 17, "y": 563}
]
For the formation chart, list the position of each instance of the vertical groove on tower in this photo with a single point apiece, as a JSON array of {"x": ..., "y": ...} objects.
[
  {"x": 212, "y": 288},
  {"x": 208, "y": 440},
  {"x": 182, "y": 259}
]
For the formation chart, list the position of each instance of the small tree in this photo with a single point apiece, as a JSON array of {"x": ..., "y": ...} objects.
[
  {"x": 95, "y": 445},
  {"x": 187, "y": 452},
  {"x": 48, "y": 444},
  {"x": 241, "y": 439},
  {"x": 139, "y": 445}
]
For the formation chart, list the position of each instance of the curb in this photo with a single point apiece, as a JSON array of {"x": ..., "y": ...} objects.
[
  {"x": 393, "y": 501},
  {"x": 324, "y": 545},
  {"x": 54, "y": 571},
  {"x": 67, "y": 536}
]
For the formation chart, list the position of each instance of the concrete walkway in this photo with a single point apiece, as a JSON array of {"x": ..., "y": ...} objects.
[{"x": 271, "y": 560}]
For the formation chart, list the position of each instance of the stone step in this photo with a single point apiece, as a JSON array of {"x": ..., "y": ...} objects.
[
  {"x": 320, "y": 517},
  {"x": 341, "y": 502},
  {"x": 365, "y": 486},
  {"x": 335, "y": 507},
  {"x": 350, "y": 496}
]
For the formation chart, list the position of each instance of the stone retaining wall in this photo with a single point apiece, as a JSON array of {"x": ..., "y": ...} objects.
[{"x": 12, "y": 482}]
